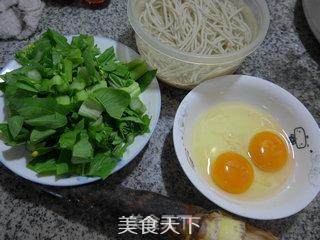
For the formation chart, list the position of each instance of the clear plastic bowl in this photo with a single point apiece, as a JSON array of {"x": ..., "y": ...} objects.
[{"x": 186, "y": 70}]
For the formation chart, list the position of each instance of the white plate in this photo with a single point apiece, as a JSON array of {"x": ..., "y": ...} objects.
[
  {"x": 311, "y": 10},
  {"x": 15, "y": 160},
  {"x": 303, "y": 185}
]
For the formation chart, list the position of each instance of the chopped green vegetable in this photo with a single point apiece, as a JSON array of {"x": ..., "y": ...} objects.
[
  {"x": 42, "y": 166},
  {"x": 68, "y": 139},
  {"x": 137, "y": 105},
  {"x": 115, "y": 101},
  {"x": 102, "y": 165},
  {"x": 106, "y": 56},
  {"x": 134, "y": 63},
  {"x": 38, "y": 136},
  {"x": 82, "y": 151},
  {"x": 63, "y": 100},
  {"x": 52, "y": 121},
  {"x": 146, "y": 79},
  {"x": 15, "y": 125},
  {"x": 76, "y": 110},
  {"x": 67, "y": 70},
  {"x": 133, "y": 90},
  {"x": 91, "y": 109},
  {"x": 81, "y": 96},
  {"x": 139, "y": 71},
  {"x": 63, "y": 163},
  {"x": 34, "y": 74}
]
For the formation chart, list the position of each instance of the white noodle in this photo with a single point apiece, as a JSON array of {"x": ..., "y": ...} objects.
[{"x": 197, "y": 26}]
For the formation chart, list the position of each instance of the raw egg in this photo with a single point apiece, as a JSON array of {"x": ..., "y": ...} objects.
[
  {"x": 232, "y": 172},
  {"x": 241, "y": 150},
  {"x": 268, "y": 151}
]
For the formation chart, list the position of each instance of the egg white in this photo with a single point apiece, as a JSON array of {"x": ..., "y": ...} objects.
[{"x": 229, "y": 127}]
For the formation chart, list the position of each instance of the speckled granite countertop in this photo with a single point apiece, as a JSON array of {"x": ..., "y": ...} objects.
[{"x": 290, "y": 57}]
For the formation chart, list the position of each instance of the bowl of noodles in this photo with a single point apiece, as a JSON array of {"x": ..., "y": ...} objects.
[{"x": 190, "y": 41}]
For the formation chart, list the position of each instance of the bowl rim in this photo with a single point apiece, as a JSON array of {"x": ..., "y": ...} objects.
[
  {"x": 174, "y": 53},
  {"x": 201, "y": 185}
]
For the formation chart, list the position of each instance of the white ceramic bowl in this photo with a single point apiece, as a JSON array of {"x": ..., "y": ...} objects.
[
  {"x": 15, "y": 160},
  {"x": 295, "y": 119}
]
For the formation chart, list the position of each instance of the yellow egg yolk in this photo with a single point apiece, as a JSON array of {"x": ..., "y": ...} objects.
[
  {"x": 232, "y": 172},
  {"x": 268, "y": 151}
]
